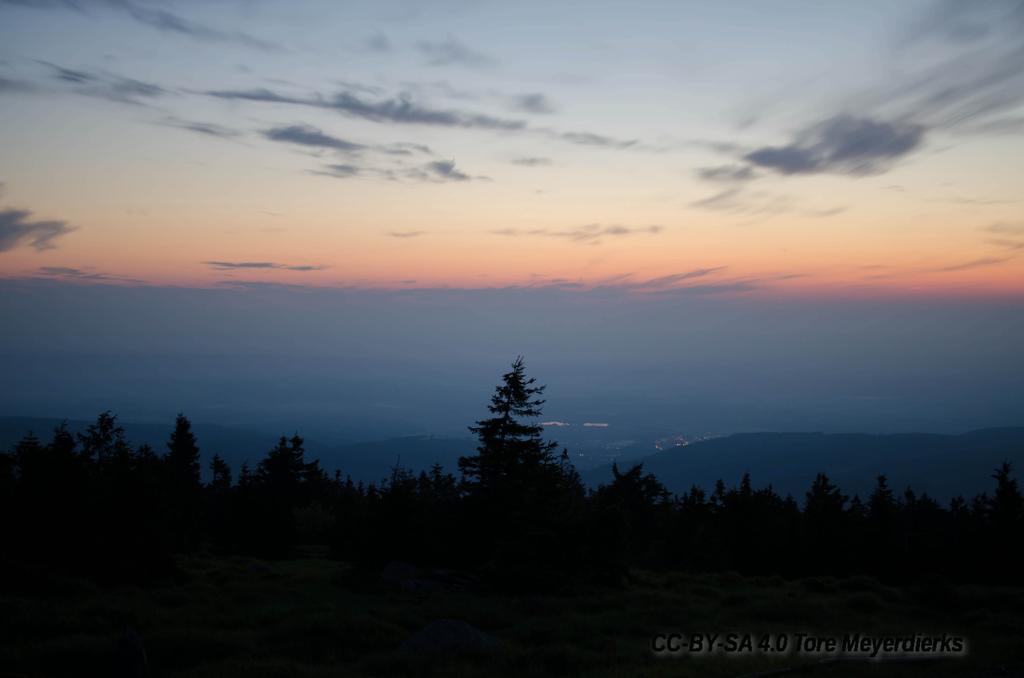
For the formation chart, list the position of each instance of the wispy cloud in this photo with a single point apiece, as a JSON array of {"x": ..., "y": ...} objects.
[
  {"x": 980, "y": 81},
  {"x": 69, "y": 273},
  {"x": 451, "y": 51},
  {"x": 17, "y": 228},
  {"x": 403, "y": 109},
  {"x": 156, "y": 17},
  {"x": 313, "y": 137},
  {"x": 692, "y": 282},
  {"x": 841, "y": 145},
  {"x": 398, "y": 109},
  {"x": 974, "y": 263},
  {"x": 739, "y": 199},
  {"x": 107, "y": 86},
  {"x": 435, "y": 172},
  {"x": 15, "y": 86},
  {"x": 406, "y": 234},
  {"x": 1006, "y": 228},
  {"x": 676, "y": 278},
  {"x": 446, "y": 170},
  {"x": 305, "y": 135},
  {"x": 976, "y": 88},
  {"x": 531, "y": 161},
  {"x": 168, "y": 22},
  {"x": 726, "y": 173},
  {"x": 591, "y": 139},
  {"x": 204, "y": 128},
  {"x": 340, "y": 171},
  {"x": 1011, "y": 235},
  {"x": 261, "y": 265},
  {"x": 533, "y": 103},
  {"x": 1008, "y": 244},
  {"x": 589, "y": 233},
  {"x": 378, "y": 43}
]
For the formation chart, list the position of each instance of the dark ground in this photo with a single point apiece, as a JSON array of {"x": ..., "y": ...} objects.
[{"x": 317, "y": 617}]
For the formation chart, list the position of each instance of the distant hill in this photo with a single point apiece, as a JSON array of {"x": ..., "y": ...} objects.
[
  {"x": 942, "y": 465},
  {"x": 368, "y": 461}
]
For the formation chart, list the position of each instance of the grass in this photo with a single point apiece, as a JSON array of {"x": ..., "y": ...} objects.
[{"x": 311, "y": 618}]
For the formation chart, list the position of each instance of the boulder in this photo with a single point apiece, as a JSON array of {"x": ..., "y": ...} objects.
[
  {"x": 447, "y": 638},
  {"x": 258, "y": 568},
  {"x": 401, "y": 575}
]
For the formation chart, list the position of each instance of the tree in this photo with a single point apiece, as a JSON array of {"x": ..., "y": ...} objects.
[
  {"x": 1006, "y": 506},
  {"x": 824, "y": 498},
  {"x": 882, "y": 503},
  {"x": 278, "y": 490},
  {"x": 282, "y": 469},
  {"x": 1006, "y": 515},
  {"x": 518, "y": 505},
  {"x": 511, "y": 451},
  {"x": 825, "y": 527},
  {"x": 104, "y": 440},
  {"x": 183, "y": 488},
  {"x": 221, "y": 474},
  {"x": 183, "y": 454}
]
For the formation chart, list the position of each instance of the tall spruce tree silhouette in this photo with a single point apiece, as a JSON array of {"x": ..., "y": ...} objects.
[
  {"x": 221, "y": 474},
  {"x": 825, "y": 536},
  {"x": 278, "y": 485},
  {"x": 183, "y": 454},
  {"x": 181, "y": 464},
  {"x": 511, "y": 451},
  {"x": 513, "y": 485},
  {"x": 1006, "y": 515}
]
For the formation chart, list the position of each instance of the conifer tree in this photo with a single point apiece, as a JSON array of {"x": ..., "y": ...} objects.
[
  {"x": 104, "y": 440},
  {"x": 511, "y": 449},
  {"x": 183, "y": 489},
  {"x": 221, "y": 481},
  {"x": 183, "y": 454}
]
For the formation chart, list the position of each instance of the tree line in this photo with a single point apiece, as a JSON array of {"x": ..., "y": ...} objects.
[{"x": 517, "y": 513}]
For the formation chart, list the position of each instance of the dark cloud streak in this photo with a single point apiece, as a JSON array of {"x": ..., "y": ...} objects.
[
  {"x": 69, "y": 273},
  {"x": 435, "y": 172},
  {"x": 204, "y": 128},
  {"x": 106, "y": 86},
  {"x": 842, "y": 145},
  {"x": 16, "y": 228},
  {"x": 531, "y": 161},
  {"x": 400, "y": 109},
  {"x": 305, "y": 135},
  {"x": 260, "y": 265},
  {"x": 155, "y": 17}
]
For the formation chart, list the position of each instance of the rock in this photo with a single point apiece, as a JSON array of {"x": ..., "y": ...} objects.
[
  {"x": 130, "y": 656},
  {"x": 447, "y": 638},
  {"x": 453, "y": 580},
  {"x": 256, "y": 567},
  {"x": 409, "y": 578},
  {"x": 400, "y": 575}
]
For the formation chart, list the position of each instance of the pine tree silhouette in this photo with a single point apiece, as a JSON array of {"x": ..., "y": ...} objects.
[
  {"x": 183, "y": 454},
  {"x": 511, "y": 451},
  {"x": 183, "y": 491},
  {"x": 221, "y": 472}
]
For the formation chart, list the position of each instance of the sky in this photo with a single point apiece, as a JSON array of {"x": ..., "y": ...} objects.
[{"x": 463, "y": 181}]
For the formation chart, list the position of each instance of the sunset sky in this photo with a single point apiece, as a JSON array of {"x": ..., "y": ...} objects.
[
  {"x": 792, "y": 149},
  {"x": 348, "y": 218}
]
